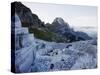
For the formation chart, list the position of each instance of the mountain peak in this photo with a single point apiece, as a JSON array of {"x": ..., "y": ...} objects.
[{"x": 59, "y": 20}]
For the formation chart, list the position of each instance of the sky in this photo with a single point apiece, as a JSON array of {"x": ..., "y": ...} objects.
[{"x": 75, "y": 15}]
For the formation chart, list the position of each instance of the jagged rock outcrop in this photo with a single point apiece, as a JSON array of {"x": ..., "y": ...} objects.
[
  {"x": 23, "y": 48},
  {"x": 35, "y": 55},
  {"x": 26, "y": 16},
  {"x": 60, "y": 27},
  {"x": 53, "y": 56}
]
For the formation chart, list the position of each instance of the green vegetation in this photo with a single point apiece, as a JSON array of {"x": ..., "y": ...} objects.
[{"x": 46, "y": 35}]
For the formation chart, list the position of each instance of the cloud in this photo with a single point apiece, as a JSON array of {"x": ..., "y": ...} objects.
[{"x": 82, "y": 21}]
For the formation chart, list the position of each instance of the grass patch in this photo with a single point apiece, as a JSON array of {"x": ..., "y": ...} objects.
[{"x": 46, "y": 35}]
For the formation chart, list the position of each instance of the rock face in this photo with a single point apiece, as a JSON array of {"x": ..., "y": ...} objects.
[
  {"x": 60, "y": 22},
  {"x": 23, "y": 50},
  {"x": 60, "y": 56},
  {"x": 26, "y": 16},
  {"x": 60, "y": 27},
  {"x": 34, "y": 55},
  {"x": 59, "y": 30},
  {"x": 30, "y": 54}
]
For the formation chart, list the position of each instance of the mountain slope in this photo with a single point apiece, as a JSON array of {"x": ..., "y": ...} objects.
[
  {"x": 60, "y": 27},
  {"x": 30, "y": 54},
  {"x": 25, "y": 14},
  {"x": 58, "y": 31}
]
